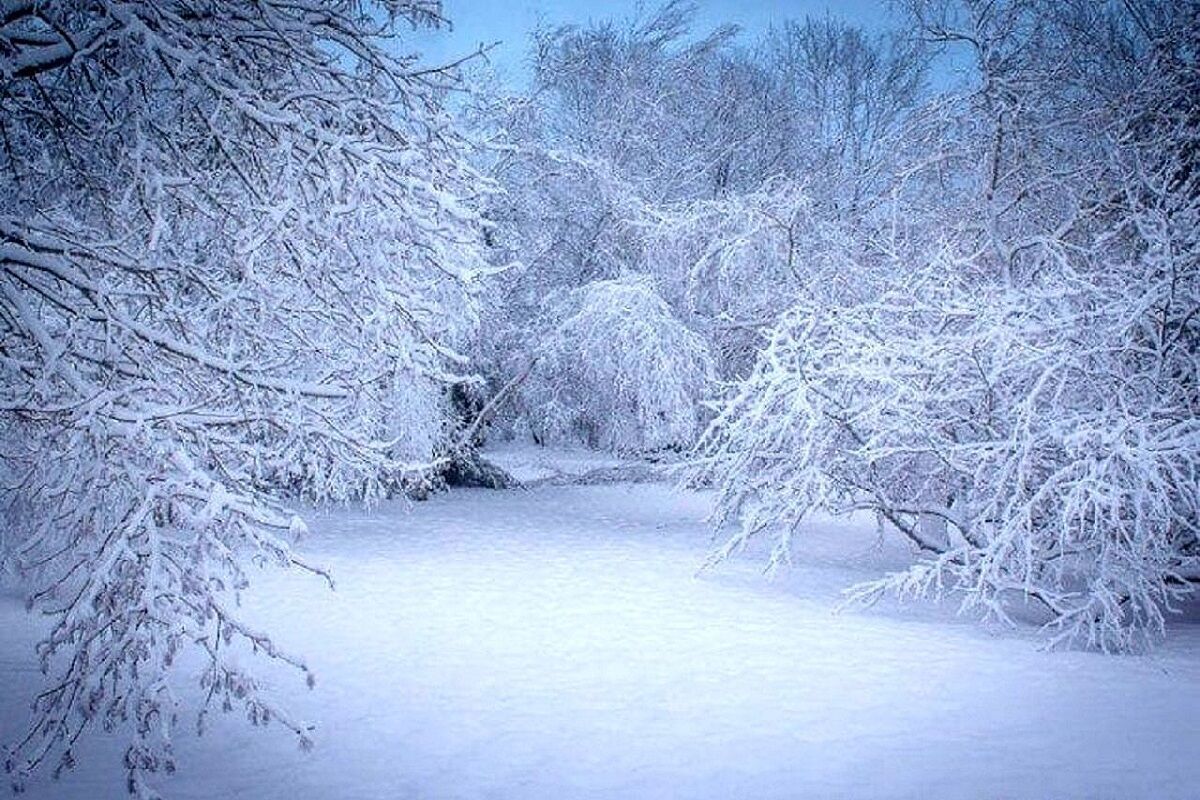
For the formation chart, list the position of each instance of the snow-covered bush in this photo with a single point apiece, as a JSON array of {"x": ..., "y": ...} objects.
[
  {"x": 1018, "y": 455},
  {"x": 231, "y": 245},
  {"x": 616, "y": 370}
]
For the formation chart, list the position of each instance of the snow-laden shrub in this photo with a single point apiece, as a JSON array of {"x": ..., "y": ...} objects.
[
  {"x": 616, "y": 370},
  {"x": 1042, "y": 441}
]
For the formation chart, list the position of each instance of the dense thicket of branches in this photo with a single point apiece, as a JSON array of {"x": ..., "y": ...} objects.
[
  {"x": 1014, "y": 387},
  {"x": 235, "y": 267},
  {"x": 704, "y": 167},
  {"x": 972, "y": 311}
]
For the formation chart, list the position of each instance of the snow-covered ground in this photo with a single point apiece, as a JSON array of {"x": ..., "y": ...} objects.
[{"x": 556, "y": 643}]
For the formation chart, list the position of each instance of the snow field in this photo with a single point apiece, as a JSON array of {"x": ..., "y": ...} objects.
[{"x": 557, "y": 643}]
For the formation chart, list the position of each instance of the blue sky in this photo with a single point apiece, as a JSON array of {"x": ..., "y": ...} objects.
[{"x": 486, "y": 21}]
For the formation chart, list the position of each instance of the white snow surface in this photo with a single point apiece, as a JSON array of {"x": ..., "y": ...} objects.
[{"x": 557, "y": 643}]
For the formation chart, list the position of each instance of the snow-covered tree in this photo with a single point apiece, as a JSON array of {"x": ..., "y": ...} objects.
[
  {"x": 719, "y": 170},
  {"x": 845, "y": 97},
  {"x": 615, "y": 370},
  {"x": 237, "y": 258},
  {"x": 1021, "y": 401}
]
